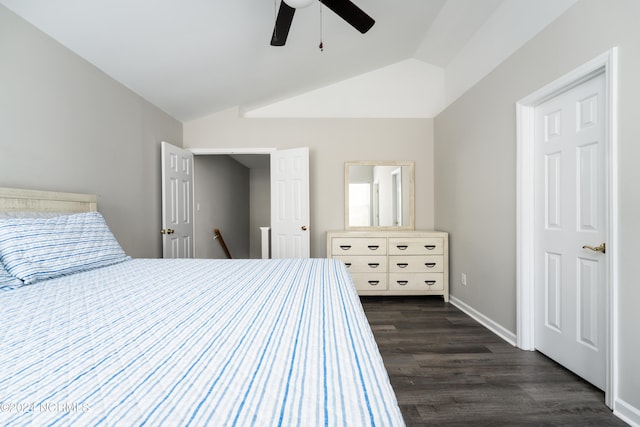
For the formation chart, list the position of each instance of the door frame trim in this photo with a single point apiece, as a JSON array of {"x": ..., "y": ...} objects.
[
  {"x": 606, "y": 64},
  {"x": 229, "y": 151}
]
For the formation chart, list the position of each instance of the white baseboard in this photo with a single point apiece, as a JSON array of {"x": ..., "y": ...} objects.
[
  {"x": 497, "y": 329},
  {"x": 626, "y": 412}
]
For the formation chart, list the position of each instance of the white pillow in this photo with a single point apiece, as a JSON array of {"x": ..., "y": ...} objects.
[
  {"x": 34, "y": 249},
  {"x": 7, "y": 281}
]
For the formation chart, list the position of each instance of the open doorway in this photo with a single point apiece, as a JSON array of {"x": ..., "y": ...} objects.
[{"x": 232, "y": 193}]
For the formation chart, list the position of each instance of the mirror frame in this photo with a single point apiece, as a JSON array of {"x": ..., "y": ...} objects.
[{"x": 410, "y": 164}]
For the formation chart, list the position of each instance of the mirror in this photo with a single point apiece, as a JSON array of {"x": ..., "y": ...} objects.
[{"x": 379, "y": 195}]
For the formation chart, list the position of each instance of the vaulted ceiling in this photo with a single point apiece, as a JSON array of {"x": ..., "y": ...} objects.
[{"x": 195, "y": 57}]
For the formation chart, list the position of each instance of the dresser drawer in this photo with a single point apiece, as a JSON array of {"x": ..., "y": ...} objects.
[
  {"x": 358, "y": 246},
  {"x": 416, "y": 281},
  {"x": 370, "y": 281},
  {"x": 365, "y": 264},
  {"x": 416, "y": 263},
  {"x": 416, "y": 246}
]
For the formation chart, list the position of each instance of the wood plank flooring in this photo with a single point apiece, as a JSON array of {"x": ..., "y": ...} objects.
[{"x": 447, "y": 369}]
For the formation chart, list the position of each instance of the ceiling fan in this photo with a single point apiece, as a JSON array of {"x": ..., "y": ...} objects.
[{"x": 343, "y": 8}]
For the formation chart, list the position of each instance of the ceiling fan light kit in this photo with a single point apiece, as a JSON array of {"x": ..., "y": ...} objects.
[
  {"x": 345, "y": 9},
  {"x": 298, "y": 4}
]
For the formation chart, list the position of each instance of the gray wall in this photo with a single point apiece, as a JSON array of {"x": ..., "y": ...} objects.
[
  {"x": 331, "y": 142},
  {"x": 66, "y": 126},
  {"x": 475, "y": 172},
  {"x": 222, "y": 195}
]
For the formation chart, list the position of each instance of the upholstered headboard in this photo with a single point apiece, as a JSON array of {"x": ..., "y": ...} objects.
[{"x": 13, "y": 199}]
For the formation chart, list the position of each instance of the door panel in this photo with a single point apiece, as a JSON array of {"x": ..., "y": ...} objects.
[
  {"x": 588, "y": 161},
  {"x": 553, "y": 291},
  {"x": 177, "y": 202},
  {"x": 570, "y": 206},
  {"x": 553, "y": 173},
  {"x": 588, "y": 280}
]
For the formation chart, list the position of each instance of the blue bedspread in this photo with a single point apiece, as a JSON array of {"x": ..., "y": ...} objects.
[{"x": 193, "y": 342}]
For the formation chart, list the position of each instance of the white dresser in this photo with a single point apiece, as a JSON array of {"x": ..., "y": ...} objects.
[{"x": 394, "y": 262}]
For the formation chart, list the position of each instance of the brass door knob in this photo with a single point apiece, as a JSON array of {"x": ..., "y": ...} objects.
[
  {"x": 602, "y": 248},
  {"x": 167, "y": 231},
  {"x": 303, "y": 228}
]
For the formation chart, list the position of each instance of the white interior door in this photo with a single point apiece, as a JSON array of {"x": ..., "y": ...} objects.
[
  {"x": 571, "y": 212},
  {"x": 177, "y": 202},
  {"x": 290, "y": 203}
]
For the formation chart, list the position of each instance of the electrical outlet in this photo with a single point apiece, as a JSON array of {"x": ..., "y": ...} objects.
[{"x": 463, "y": 279}]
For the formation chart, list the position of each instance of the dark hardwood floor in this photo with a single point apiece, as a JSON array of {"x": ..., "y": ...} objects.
[{"x": 447, "y": 369}]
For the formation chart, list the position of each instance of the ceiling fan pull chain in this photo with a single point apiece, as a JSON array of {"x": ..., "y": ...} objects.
[{"x": 321, "y": 45}]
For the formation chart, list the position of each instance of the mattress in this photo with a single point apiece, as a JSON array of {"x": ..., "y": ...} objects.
[{"x": 193, "y": 342}]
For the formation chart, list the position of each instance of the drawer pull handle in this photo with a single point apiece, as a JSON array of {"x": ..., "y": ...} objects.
[
  {"x": 345, "y": 247},
  {"x": 402, "y": 282},
  {"x": 402, "y": 247},
  {"x": 402, "y": 264},
  {"x": 430, "y": 247},
  {"x": 373, "y": 247},
  {"x": 430, "y": 264},
  {"x": 374, "y": 282},
  {"x": 374, "y": 264},
  {"x": 348, "y": 264},
  {"x": 430, "y": 282}
]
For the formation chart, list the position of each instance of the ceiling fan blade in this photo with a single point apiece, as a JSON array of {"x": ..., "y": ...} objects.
[
  {"x": 283, "y": 24},
  {"x": 351, "y": 13}
]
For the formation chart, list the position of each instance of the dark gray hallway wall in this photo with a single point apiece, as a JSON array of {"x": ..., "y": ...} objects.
[
  {"x": 67, "y": 126},
  {"x": 222, "y": 201},
  {"x": 260, "y": 209}
]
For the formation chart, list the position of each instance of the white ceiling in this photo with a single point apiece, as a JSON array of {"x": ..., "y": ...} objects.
[{"x": 196, "y": 57}]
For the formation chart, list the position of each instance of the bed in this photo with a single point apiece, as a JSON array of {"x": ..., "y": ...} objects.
[{"x": 176, "y": 342}]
